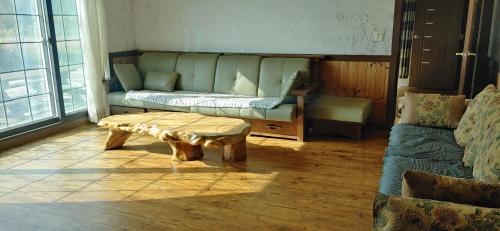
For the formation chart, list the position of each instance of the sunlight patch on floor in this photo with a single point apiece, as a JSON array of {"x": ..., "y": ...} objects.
[{"x": 75, "y": 168}]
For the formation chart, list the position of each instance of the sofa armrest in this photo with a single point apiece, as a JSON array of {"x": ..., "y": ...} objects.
[
  {"x": 306, "y": 89},
  {"x": 444, "y": 188},
  {"x": 400, "y": 213}
]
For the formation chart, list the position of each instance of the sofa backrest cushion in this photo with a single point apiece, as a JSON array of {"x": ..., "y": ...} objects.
[
  {"x": 196, "y": 72},
  {"x": 237, "y": 75},
  {"x": 160, "y": 81},
  {"x": 155, "y": 61},
  {"x": 275, "y": 72}
]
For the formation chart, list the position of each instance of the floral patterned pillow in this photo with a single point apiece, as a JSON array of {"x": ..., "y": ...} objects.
[
  {"x": 425, "y": 185},
  {"x": 484, "y": 148},
  {"x": 478, "y": 126},
  {"x": 468, "y": 123},
  {"x": 398, "y": 213},
  {"x": 433, "y": 110}
]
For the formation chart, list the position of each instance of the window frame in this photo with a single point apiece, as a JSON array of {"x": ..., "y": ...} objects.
[{"x": 51, "y": 56}]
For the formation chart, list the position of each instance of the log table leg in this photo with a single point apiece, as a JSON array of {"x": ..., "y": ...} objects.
[
  {"x": 184, "y": 151},
  {"x": 116, "y": 138},
  {"x": 236, "y": 151}
]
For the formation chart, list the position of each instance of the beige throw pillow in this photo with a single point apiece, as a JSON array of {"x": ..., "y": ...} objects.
[{"x": 432, "y": 110}]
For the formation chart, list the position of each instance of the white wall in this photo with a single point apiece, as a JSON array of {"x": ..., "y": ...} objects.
[
  {"x": 256, "y": 26},
  {"x": 120, "y": 25}
]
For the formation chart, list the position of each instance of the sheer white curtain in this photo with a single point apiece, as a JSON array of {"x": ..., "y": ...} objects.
[{"x": 95, "y": 55}]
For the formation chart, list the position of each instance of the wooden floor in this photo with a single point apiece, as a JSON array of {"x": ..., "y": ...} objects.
[{"x": 69, "y": 182}]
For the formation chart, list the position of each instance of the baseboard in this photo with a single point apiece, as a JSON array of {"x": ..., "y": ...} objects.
[{"x": 43, "y": 132}]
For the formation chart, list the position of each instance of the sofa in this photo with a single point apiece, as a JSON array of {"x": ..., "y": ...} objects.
[
  {"x": 420, "y": 158},
  {"x": 239, "y": 75}
]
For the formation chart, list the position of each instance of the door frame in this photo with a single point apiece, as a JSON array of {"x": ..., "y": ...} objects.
[{"x": 393, "y": 68}]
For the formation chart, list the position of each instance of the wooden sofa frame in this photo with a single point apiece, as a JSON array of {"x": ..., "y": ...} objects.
[{"x": 295, "y": 130}]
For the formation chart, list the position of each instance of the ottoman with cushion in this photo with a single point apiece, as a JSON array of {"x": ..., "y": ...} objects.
[{"x": 342, "y": 115}]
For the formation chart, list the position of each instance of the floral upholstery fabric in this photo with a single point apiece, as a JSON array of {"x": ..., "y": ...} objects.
[
  {"x": 443, "y": 188},
  {"x": 468, "y": 123},
  {"x": 432, "y": 110},
  {"x": 481, "y": 122},
  {"x": 398, "y": 213},
  {"x": 487, "y": 164}
]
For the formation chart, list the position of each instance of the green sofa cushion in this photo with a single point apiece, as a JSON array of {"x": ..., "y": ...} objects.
[
  {"x": 155, "y": 61},
  {"x": 237, "y": 75},
  {"x": 196, "y": 72},
  {"x": 284, "y": 112},
  {"x": 117, "y": 98},
  {"x": 338, "y": 108},
  {"x": 160, "y": 81},
  {"x": 275, "y": 73},
  {"x": 128, "y": 76}
]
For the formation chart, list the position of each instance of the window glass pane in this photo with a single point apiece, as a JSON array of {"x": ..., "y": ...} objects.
[
  {"x": 8, "y": 29},
  {"x": 56, "y": 7},
  {"x": 63, "y": 56},
  {"x": 76, "y": 75},
  {"x": 29, "y": 28},
  {"x": 3, "y": 119},
  {"x": 68, "y": 7},
  {"x": 68, "y": 102},
  {"x": 7, "y": 7},
  {"x": 79, "y": 99},
  {"x": 41, "y": 107},
  {"x": 58, "y": 27},
  {"x": 71, "y": 29},
  {"x": 26, "y": 7},
  {"x": 74, "y": 52},
  {"x": 18, "y": 112},
  {"x": 10, "y": 58},
  {"x": 13, "y": 85},
  {"x": 33, "y": 55},
  {"x": 37, "y": 81},
  {"x": 65, "y": 81}
]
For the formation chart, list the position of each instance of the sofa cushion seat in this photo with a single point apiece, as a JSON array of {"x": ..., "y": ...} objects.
[
  {"x": 423, "y": 143},
  {"x": 283, "y": 112},
  {"x": 395, "y": 166},
  {"x": 345, "y": 109},
  {"x": 117, "y": 98}
]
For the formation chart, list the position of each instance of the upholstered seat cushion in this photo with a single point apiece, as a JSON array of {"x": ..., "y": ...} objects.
[
  {"x": 395, "y": 166},
  {"x": 435, "y": 144},
  {"x": 284, "y": 112},
  {"x": 117, "y": 98},
  {"x": 338, "y": 108}
]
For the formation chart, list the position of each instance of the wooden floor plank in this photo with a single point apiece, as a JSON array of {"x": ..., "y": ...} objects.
[{"x": 67, "y": 181}]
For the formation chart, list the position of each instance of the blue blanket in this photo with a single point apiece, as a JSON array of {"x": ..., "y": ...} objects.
[{"x": 424, "y": 149}]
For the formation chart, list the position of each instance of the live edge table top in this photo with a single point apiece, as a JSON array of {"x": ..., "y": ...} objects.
[{"x": 185, "y": 132}]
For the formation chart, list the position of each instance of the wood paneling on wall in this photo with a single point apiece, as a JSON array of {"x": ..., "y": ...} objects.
[{"x": 358, "y": 79}]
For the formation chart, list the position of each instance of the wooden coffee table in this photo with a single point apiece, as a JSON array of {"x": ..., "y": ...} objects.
[{"x": 184, "y": 132}]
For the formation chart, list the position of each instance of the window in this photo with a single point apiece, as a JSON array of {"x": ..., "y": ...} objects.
[
  {"x": 70, "y": 55},
  {"x": 32, "y": 85}
]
